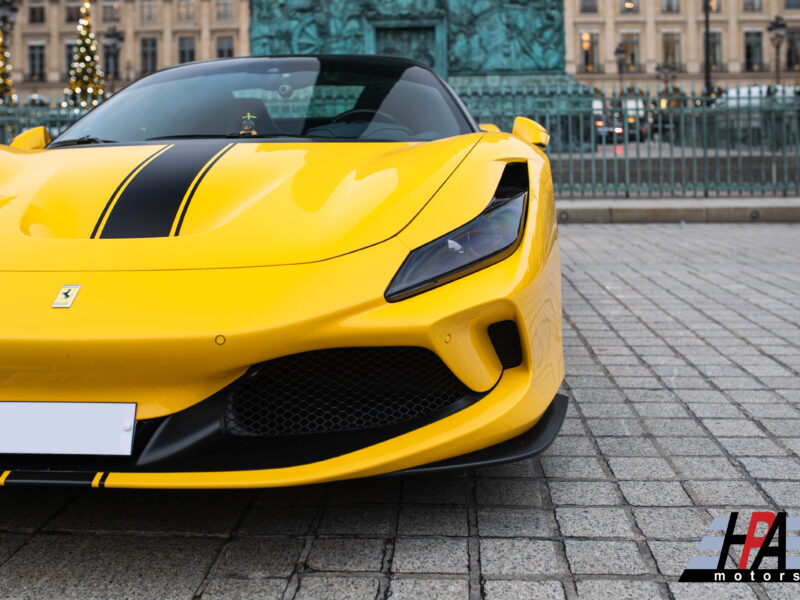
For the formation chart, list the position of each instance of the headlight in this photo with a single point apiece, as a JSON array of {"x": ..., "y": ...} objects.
[{"x": 484, "y": 241}]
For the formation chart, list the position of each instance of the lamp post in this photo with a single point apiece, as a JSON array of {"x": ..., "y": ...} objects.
[
  {"x": 113, "y": 44},
  {"x": 777, "y": 33},
  {"x": 620, "y": 54},
  {"x": 707, "y": 46}
]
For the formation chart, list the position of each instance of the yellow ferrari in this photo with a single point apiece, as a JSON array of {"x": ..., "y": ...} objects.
[{"x": 276, "y": 271}]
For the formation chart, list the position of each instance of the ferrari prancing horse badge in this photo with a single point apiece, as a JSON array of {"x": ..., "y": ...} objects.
[{"x": 66, "y": 296}]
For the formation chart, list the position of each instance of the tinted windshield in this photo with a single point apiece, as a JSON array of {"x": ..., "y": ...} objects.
[{"x": 328, "y": 97}]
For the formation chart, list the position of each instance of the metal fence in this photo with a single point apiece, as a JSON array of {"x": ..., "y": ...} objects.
[{"x": 743, "y": 141}]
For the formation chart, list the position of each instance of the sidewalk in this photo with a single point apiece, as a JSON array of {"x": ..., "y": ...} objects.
[{"x": 676, "y": 210}]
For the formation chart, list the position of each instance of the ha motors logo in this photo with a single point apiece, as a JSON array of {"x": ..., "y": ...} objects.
[{"x": 776, "y": 556}]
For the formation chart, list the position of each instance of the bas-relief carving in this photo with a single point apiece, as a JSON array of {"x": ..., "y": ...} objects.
[{"x": 483, "y": 36}]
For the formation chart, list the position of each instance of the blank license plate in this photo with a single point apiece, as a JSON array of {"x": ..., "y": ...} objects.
[{"x": 67, "y": 428}]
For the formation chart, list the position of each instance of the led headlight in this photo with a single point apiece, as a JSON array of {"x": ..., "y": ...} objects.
[{"x": 484, "y": 241}]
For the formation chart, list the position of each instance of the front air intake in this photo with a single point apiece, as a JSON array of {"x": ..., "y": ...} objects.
[{"x": 504, "y": 336}]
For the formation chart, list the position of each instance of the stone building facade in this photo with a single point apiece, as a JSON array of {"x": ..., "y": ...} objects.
[
  {"x": 655, "y": 33},
  {"x": 158, "y": 33}
]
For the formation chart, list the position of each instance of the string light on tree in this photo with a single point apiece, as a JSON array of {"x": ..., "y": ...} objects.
[
  {"x": 85, "y": 75},
  {"x": 7, "y": 96}
]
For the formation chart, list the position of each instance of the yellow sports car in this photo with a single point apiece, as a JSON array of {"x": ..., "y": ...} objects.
[{"x": 276, "y": 271}]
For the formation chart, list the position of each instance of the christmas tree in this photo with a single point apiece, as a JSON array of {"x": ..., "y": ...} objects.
[
  {"x": 7, "y": 96},
  {"x": 85, "y": 76}
]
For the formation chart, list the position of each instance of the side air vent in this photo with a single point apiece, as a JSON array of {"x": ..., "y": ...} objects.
[{"x": 504, "y": 336}]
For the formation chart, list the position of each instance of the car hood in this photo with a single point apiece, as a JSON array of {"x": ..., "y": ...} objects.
[{"x": 212, "y": 203}]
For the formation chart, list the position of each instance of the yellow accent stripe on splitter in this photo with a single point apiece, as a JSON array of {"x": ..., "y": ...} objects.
[
  {"x": 96, "y": 480},
  {"x": 3, "y": 477},
  {"x": 118, "y": 192}
]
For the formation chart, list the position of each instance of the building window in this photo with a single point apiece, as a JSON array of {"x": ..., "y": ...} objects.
[
  {"x": 36, "y": 13},
  {"x": 630, "y": 41},
  {"x": 753, "y": 58},
  {"x": 670, "y": 6},
  {"x": 36, "y": 62},
  {"x": 715, "y": 5},
  {"x": 588, "y": 6},
  {"x": 753, "y": 5},
  {"x": 225, "y": 10},
  {"x": 629, "y": 6},
  {"x": 224, "y": 47},
  {"x": 186, "y": 10},
  {"x": 715, "y": 54},
  {"x": 672, "y": 49},
  {"x": 793, "y": 50},
  {"x": 792, "y": 3},
  {"x": 590, "y": 59},
  {"x": 110, "y": 12},
  {"x": 72, "y": 12},
  {"x": 149, "y": 11},
  {"x": 185, "y": 49},
  {"x": 149, "y": 46},
  {"x": 69, "y": 56},
  {"x": 110, "y": 63}
]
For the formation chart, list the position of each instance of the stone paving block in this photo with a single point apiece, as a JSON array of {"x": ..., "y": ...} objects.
[
  {"x": 715, "y": 410},
  {"x": 77, "y": 567},
  {"x": 751, "y": 446},
  {"x": 346, "y": 554},
  {"x": 588, "y": 557},
  {"x": 371, "y": 520},
  {"x": 627, "y": 446},
  {"x": 671, "y": 410},
  {"x": 421, "y": 519},
  {"x": 654, "y": 493},
  {"x": 563, "y": 467},
  {"x": 672, "y": 557},
  {"x": 571, "y": 445},
  {"x": 711, "y": 591},
  {"x": 639, "y": 383},
  {"x": 226, "y": 588},
  {"x": 430, "y": 555},
  {"x": 523, "y": 590},
  {"x": 683, "y": 428},
  {"x": 614, "y": 589},
  {"x": 521, "y": 468},
  {"x": 267, "y": 519},
  {"x": 341, "y": 588},
  {"x": 691, "y": 446},
  {"x": 772, "y": 468},
  {"x": 260, "y": 557},
  {"x": 613, "y": 409},
  {"x": 514, "y": 522},
  {"x": 587, "y": 395},
  {"x": 594, "y": 522},
  {"x": 572, "y": 427},
  {"x": 586, "y": 493},
  {"x": 614, "y": 427},
  {"x": 706, "y": 468},
  {"x": 754, "y": 396},
  {"x": 429, "y": 589},
  {"x": 670, "y": 523},
  {"x": 641, "y": 468},
  {"x": 649, "y": 395},
  {"x": 793, "y": 444},
  {"x": 518, "y": 557},
  {"x": 9, "y": 543},
  {"x": 725, "y": 493},
  {"x": 782, "y": 427},
  {"x": 26, "y": 509},
  {"x": 772, "y": 411},
  {"x": 733, "y": 428},
  {"x": 691, "y": 396},
  {"x": 516, "y": 492},
  {"x": 434, "y": 491}
]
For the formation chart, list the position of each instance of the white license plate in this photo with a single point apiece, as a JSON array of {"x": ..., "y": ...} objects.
[{"x": 67, "y": 428}]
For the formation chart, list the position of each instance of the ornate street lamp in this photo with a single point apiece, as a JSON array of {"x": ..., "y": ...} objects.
[
  {"x": 8, "y": 15},
  {"x": 620, "y": 55},
  {"x": 707, "y": 45},
  {"x": 666, "y": 73},
  {"x": 112, "y": 44},
  {"x": 777, "y": 33}
]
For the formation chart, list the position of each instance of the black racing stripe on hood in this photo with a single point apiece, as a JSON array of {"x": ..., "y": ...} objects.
[{"x": 149, "y": 204}]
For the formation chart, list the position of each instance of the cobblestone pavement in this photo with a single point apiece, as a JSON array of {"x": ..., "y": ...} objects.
[{"x": 683, "y": 361}]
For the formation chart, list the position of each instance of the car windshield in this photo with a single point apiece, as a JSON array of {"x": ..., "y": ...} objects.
[{"x": 339, "y": 98}]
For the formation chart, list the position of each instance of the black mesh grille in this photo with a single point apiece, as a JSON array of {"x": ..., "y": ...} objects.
[
  {"x": 345, "y": 389},
  {"x": 505, "y": 339}
]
